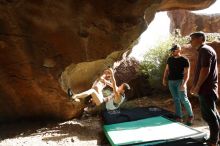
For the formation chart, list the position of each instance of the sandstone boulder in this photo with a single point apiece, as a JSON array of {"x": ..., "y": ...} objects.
[{"x": 41, "y": 41}]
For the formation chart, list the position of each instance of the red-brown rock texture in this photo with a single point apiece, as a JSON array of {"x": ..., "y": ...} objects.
[
  {"x": 47, "y": 46},
  {"x": 188, "y": 22}
]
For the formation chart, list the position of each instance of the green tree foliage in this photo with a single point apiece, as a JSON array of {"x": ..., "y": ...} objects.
[
  {"x": 154, "y": 61},
  {"x": 210, "y": 37}
]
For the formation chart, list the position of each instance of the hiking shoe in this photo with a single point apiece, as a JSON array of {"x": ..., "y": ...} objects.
[
  {"x": 90, "y": 110},
  {"x": 71, "y": 95},
  {"x": 179, "y": 120},
  {"x": 189, "y": 120},
  {"x": 69, "y": 92},
  {"x": 76, "y": 99}
]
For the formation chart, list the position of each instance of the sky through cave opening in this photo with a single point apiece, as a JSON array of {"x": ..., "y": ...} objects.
[{"x": 159, "y": 31}]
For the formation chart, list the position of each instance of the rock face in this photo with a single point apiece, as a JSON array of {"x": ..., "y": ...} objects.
[
  {"x": 188, "y": 22},
  {"x": 47, "y": 46}
]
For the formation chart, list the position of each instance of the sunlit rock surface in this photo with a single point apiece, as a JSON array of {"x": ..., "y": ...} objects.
[
  {"x": 188, "y": 22},
  {"x": 40, "y": 41}
]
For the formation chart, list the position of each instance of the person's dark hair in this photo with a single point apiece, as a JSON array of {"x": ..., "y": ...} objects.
[
  {"x": 126, "y": 86},
  {"x": 199, "y": 34},
  {"x": 175, "y": 47}
]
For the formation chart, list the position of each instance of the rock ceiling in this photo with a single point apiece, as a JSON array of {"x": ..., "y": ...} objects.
[{"x": 48, "y": 45}]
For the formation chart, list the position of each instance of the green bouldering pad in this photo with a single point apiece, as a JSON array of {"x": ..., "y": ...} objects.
[{"x": 149, "y": 131}]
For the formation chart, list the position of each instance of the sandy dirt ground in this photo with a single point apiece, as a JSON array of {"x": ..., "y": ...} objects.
[{"x": 85, "y": 131}]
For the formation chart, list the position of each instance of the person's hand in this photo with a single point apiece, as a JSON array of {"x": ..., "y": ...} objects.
[
  {"x": 106, "y": 71},
  {"x": 183, "y": 87},
  {"x": 105, "y": 99},
  {"x": 164, "y": 82},
  {"x": 106, "y": 74},
  {"x": 194, "y": 91},
  {"x": 111, "y": 71}
]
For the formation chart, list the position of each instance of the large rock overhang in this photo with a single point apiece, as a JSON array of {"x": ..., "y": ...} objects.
[{"x": 40, "y": 40}]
